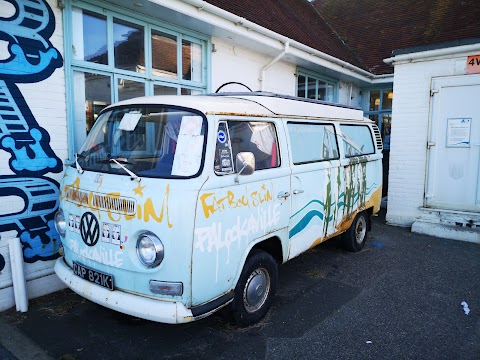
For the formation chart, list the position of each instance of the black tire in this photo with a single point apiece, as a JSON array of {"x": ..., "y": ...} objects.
[
  {"x": 255, "y": 288},
  {"x": 355, "y": 237}
]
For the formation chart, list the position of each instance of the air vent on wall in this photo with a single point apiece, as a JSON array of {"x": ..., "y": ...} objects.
[{"x": 378, "y": 137}]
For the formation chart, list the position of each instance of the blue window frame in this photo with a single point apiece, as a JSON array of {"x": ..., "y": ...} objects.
[
  {"x": 377, "y": 106},
  {"x": 313, "y": 86},
  {"x": 116, "y": 55}
]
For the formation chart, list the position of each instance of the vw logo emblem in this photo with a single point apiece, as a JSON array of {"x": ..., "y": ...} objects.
[{"x": 89, "y": 229}]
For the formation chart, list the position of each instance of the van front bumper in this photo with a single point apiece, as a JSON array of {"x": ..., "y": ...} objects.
[{"x": 130, "y": 304}]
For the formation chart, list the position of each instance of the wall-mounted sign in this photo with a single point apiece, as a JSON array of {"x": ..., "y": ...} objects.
[
  {"x": 473, "y": 64},
  {"x": 458, "y": 132}
]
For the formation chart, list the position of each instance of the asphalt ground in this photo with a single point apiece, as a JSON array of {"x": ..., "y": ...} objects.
[{"x": 399, "y": 298}]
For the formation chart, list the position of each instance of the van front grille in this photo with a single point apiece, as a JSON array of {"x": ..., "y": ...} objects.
[
  {"x": 378, "y": 137},
  {"x": 112, "y": 203}
]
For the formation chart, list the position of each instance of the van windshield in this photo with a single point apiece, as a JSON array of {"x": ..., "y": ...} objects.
[{"x": 149, "y": 141}]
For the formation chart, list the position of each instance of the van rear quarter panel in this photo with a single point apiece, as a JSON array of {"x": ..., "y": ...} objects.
[
  {"x": 332, "y": 193},
  {"x": 362, "y": 176}
]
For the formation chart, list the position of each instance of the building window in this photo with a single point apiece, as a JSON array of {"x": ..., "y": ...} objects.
[
  {"x": 116, "y": 56},
  {"x": 312, "y": 86},
  {"x": 128, "y": 46},
  {"x": 378, "y": 107}
]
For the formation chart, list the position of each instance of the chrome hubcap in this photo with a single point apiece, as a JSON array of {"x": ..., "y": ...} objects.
[
  {"x": 256, "y": 290},
  {"x": 360, "y": 230}
]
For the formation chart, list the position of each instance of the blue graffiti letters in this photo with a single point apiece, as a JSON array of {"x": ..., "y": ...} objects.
[
  {"x": 31, "y": 58},
  {"x": 34, "y": 222}
]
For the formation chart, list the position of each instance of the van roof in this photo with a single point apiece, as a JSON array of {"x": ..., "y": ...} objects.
[{"x": 253, "y": 103}]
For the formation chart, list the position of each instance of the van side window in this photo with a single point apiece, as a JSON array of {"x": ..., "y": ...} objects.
[
  {"x": 259, "y": 138},
  {"x": 357, "y": 140},
  {"x": 312, "y": 142}
]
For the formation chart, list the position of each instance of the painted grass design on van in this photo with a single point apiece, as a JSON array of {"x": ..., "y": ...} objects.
[
  {"x": 356, "y": 196},
  {"x": 311, "y": 211}
]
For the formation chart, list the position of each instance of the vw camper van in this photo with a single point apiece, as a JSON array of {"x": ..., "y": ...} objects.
[{"x": 177, "y": 206}]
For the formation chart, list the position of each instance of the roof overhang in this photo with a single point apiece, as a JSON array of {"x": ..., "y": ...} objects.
[
  {"x": 438, "y": 53},
  {"x": 210, "y": 20}
]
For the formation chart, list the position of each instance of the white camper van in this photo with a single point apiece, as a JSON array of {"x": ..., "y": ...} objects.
[{"x": 177, "y": 206}]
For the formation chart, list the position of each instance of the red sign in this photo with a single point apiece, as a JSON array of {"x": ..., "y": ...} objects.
[{"x": 473, "y": 64}]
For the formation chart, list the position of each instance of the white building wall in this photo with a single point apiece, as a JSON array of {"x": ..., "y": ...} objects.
[
  {"x": 408, "y": 144},
  {"x": 45, "y": 99},
  {"x": 234, "y": 63}
]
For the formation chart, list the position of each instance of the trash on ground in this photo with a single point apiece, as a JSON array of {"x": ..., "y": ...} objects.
[
  {"x": 465, "y": 307},
  {"x": 377, "y": 244}
]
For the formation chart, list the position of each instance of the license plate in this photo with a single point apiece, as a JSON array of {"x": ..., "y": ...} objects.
[{"x": 93, "y": 276}]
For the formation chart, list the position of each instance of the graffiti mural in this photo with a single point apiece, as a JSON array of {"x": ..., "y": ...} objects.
[{"x": 26, "y": 27}]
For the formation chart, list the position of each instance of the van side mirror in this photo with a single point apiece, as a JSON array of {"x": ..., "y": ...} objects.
[{"x": 245, "y": 163}]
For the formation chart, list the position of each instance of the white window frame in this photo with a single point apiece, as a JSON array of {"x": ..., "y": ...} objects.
[{"x": 318, "y": 77}]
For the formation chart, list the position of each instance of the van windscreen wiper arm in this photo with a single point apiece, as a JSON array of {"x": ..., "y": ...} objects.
[
  {"x": 77, "y": 165},
  {"x": 131, "y": 173}
]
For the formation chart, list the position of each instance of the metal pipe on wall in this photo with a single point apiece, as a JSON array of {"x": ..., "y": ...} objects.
[
  {"x": 275, "y": 60},
  {"x": 18, "y": 274}
]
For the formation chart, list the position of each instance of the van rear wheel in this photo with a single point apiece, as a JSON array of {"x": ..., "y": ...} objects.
[
  {"x": 255, "y": 288},
  {"x": 355, "y": 237}
]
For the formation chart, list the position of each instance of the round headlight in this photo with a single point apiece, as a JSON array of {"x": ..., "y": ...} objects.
[
  {"x": 149, "y": 249},
  {"x": 60, "y": 223}
]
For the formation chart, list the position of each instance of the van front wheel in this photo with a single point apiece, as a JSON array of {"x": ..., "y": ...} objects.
[
  {"x": 255, "y": 288},
  {"x": 354, "y": 238}
]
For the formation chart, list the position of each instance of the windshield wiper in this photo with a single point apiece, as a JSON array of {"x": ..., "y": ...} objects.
[
  {"x": 131, "y": 173},
  {"x": 77, "y": 165}
]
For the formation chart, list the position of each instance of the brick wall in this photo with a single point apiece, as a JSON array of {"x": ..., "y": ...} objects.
[{"x": 410, "y": 119}]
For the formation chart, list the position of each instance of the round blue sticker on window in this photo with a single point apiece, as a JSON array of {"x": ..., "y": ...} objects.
[{"x": 221, "y": 136}]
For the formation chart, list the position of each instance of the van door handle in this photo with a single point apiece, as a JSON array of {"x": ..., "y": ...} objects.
[
  {"x": 283, "y": 194},
  {"x": 295, "y": 192}
]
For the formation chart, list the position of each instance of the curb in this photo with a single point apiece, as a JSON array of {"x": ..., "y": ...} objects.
[{"x": 18, "y": 345}]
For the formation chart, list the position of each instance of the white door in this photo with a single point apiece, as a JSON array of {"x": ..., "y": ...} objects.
[{"x": 453, "y": 171}]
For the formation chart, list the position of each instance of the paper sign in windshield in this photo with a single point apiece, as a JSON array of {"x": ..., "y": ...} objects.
[
  {"x": 130, "y": 121},
  {"x": 188, "y": 153}
]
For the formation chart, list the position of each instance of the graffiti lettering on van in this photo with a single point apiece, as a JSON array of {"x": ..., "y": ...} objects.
[
  {"x": 212, "y": 203},
  {"x": 214, "y": 236},
  {"x": 108, "y": 257},
  {"x": 116, "y": 206},
  {"x": 217, "y": 236}
]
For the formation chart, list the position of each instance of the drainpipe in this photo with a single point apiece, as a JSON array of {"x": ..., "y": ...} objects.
[
  {"x": 265, "y": 68},
  {"x": 18, "y": 274},
  {"x": 350, "y": 94}
]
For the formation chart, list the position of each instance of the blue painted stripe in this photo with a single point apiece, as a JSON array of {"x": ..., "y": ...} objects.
[
  {"x": 369, "y": 189},
  {"x": 313, "y": 201},
  {"x": 302, "y": 224}
]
